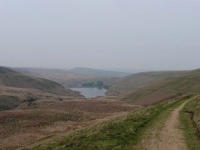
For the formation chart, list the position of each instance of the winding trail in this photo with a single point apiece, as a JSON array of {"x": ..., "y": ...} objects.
[
  {"x": 170, "y": 138},
  {"x": 165, "y": 133}
]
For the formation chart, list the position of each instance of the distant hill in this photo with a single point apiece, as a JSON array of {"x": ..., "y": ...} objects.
[
  {"x": 99, "y": 72},
  {"x": 130, "y": 83},
  {"x": 11, "y": 78},
  {"x": 19, "y": 90},
  {"x": 187, "y": 83},
  {"x": 65, "y": 78}
]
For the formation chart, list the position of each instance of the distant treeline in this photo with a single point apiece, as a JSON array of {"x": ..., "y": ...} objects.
[
  {"x": 88, "y": 84},
  {"x": 99, "y": 84}
]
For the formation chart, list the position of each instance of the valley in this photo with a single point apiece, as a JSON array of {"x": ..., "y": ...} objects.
[
  {"x": 34, "y": 109},
  {"x": 37, "y": 113},
  {"x": 69, "y": 79},
  {"x": 99, "y": 75}
]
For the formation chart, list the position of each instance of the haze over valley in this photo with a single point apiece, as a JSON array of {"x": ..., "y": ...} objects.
[{"x": 99, "y": 75}]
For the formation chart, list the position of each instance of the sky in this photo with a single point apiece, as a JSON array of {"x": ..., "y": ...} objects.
[{"x": 101, "y": 34}]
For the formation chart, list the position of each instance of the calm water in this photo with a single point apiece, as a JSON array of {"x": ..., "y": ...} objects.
[{"x": 91, "y": 92}]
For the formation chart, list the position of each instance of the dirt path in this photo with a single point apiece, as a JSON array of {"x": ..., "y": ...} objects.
[{"x": 170, "y": 137}]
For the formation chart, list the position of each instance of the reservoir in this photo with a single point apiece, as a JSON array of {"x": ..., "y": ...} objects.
[{"x": 91, "y": 92}]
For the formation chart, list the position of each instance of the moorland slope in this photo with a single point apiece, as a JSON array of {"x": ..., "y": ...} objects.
[
  {"x": 12, "y": 78},
  {"x": 130, "y": 83},
  {"x": 187, "y": 83},
  {"x": 17, "y": 89}
]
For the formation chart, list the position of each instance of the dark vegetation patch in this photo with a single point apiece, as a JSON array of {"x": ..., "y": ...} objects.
[
  {"x": 29, "y": 99},
  {"x": 88, "y": 84},
  {"x": 94, "y": 84},
  {"x": 8, "y": 102}
]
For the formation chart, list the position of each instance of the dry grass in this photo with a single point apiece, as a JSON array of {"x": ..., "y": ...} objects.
[
  {"x": 37, "y": 114},
  {"x": 133, "y": 82},
  {"x": 184, "y": 84},
  {"x": 46, "y": 118},
  {"x": 120, "y": 133},
  {"x": 92, "y": 106}
]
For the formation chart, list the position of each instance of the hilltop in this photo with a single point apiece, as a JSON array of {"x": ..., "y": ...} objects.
[
  {"x": 187, "y": 83},
  {"x": 130, "y": 83},
  {"x": 99, "y": 72}
]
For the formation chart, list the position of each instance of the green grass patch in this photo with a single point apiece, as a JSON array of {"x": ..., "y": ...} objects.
[
  {"x": 121, "y": 133},
  {"x": 190, "y": 116}
]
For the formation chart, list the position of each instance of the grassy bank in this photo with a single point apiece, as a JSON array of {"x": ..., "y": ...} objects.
[
  {"x": 190, "y": 120},
  {"x": 121, "y": 133}
]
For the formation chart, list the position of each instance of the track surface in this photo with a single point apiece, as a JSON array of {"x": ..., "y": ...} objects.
[{"x": 170, "y": 138}]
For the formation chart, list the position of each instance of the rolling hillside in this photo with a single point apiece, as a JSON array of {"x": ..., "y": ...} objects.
[
  {"x": 188, "y": 83},
  {"x": 65, "y": 78},
  {"x": 10, "y": 78},
  {"x": 130, "y": 83},
  {"x": 18, "y": 90}
]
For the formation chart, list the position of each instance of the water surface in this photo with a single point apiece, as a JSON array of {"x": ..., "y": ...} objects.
[{"x": 91, "y": 92}]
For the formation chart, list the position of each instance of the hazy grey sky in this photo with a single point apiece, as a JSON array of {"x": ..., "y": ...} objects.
[{"x": 130, "y": 34}]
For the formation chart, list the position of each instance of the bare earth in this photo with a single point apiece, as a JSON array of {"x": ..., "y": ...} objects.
[{"x": 170, "y": 137}]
